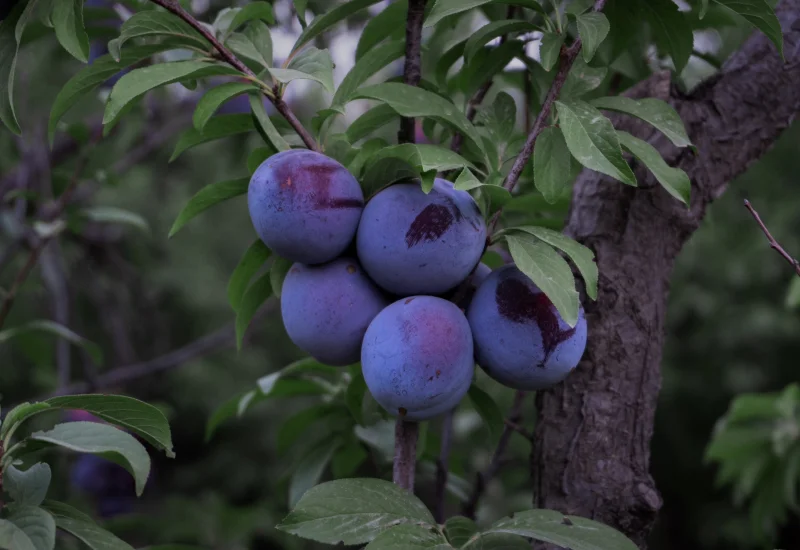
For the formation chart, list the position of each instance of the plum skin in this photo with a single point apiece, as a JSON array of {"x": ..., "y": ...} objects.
[
  {"x": 520, "y": 339},
  {"x": 304, "y": 205},
  {"x": 412, "y": 243},
  {"x": 326, "y": 309},
  {"x": 417, "y": 357}
]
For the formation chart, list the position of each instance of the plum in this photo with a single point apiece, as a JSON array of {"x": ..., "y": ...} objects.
[
  {"x": 417, "y": 357},
  {"x": 520, "y": 339},
  {"x": 108, "y": 484},
  {"x": 304, "y": 206},
  {"x": 326, "y": 309},
  {"x": 413, "y": 243}
]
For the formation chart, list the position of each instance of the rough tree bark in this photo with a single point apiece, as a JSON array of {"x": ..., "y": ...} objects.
[{"x": 593, "y": 440}]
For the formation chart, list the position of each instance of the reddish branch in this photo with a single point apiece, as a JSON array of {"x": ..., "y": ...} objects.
[
  {"x": 405, "y": 453},
  {"x": 772, "y": 242},
  {"x": 229, "y": 57},
  {"x": 412, "y": 71}
]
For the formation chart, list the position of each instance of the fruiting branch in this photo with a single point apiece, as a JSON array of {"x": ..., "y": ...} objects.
[
  {"x": 412, "y": 71},
  {"x": 772, "y": 242},
  {"x": 229, "y": 57},
  {"x": 405, "y": 453}
]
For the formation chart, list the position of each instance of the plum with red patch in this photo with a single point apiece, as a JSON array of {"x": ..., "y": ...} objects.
[
  {"x": 304, "y": 205},
  {"x": 413, "y": 243},
  {"x": 520, "y": 339},
  {"x": 417, "y": 357},
  {"x": 327, "y": 308}
]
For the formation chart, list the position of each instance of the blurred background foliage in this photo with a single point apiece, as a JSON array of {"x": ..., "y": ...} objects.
[{"x": 733, "y": 321}]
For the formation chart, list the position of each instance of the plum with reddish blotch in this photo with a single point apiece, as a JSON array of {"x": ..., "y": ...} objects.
[
  {"x": 520, "y": 339},
  {"x": 304, "y": 205},
  {"x": 417, "y": 357},
  {"x": 411, "y": 243},
  {"x": 326, "y": 309}
]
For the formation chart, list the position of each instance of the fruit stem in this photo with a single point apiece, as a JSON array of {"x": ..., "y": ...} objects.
[{"x": 405, "y": 453}]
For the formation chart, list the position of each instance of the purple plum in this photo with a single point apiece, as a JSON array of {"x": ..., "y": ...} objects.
[
  {"x": 413, "y": 243},
  {"x": 326, "y": 309},
  {"x": 304, "y": 205},
  {"x": 520, "y": 339},
  {"x": 417, "y": 357}
]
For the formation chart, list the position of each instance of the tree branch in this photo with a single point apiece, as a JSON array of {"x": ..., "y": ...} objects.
[
  {"x": 442, "y": 468},
  {"x": 772, "y": 242},
  {"x": 412, "y": 71},
  {"x": 405, "y": 453},
  {"x": 229, "y": 57}
]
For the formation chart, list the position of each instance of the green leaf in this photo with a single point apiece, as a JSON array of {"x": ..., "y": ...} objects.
[
  {"x": 654, "y": 111},
  {"x": 384, "y": 173},
  {"x": 67, "y": 20},
  {"x": 370, "y": 121},
  {"x": 310, "y": 469},
  {"x": 761, "y": 15},
  {"x": 207, "y": 197},
  {"x": 243, "y": 46},
  {"x": 354, "y": 396},
  {"x": 141, "y": 418},
  {"x": 382, "y": 26},
  {"x": 571, "y": 532},
  {"x": 327, "y": 20},
  {"x": 372, "y": 62},
  {"x": 217, "y": 127},
  {"x": 300, "y": 10},
  {"x": 111, "y": 214},
  {"x": 264, "y": 125},
  {"x": 409, "y": 537},
  {"x": 593, "y": 29},
  {"x": 252, "y": 300},
  {"x": 498, "y": 541},
  {"x": 549, "y": 49},
  {"x": 28, "y": 487},
  {"x": 38, "y": 525},
  {"x": 424, "y": 157},
  {"x": 549, "y": 271},
  {"x": 310, "y": 64},
  {"x": 703, "y": 8},
  {"x": 582, "y": 79},
  {"x": 14, "y": 538},
  {"x": 9, "y": 46},
  {"x": 793, "y": 294},
  {"x": 214, "y": 98},
  {"x": 57, "y": 330},
  {"x": 488, "y": 409},
  {"x": 18, "y": 415},
  {"x": 257, "y": 156},
  {"x": 258, "y": 34},
  {"x": 253, "y": 11},
  {"x": 91, "y": 76},
  {"x": 296, "y": 426},
  {"x": 592, "y": 140},
  {"x": 254, "y": 257},
  {"x": 156, "y": 23},
  {"x": 498, "y": 195},
  {"x": 491, "y": 31},
  {"x": 446, "y": 8},
  {"x": 554, "y": 168},
  {"x": 577, "y": 7},
  {"x": 353, "y": 511},
  {"x": 81, "y": 526},
  {"x": 103, "y": 440},
  {"x": 674, "y": 180},
  {"x": 671, "y": 30},
  {"x": 277, "y": 274},
  {"x": 582, "y": 256},
  {"x": 445, "y": 62},
  {"x": 459, "y": 530},
  {"x": 309, "y": 364},
  {"x": 348, "y": 459},
  {"x": 139, "y": 81},
  {"x": 486, "y": 65}
]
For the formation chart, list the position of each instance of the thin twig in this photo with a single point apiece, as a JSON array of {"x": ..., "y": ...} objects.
[
  {"x": 412, "y": 70},
  {"x": 774, "y": 244},
  {"x": 229, "y": 57},
  {"x": 442, "y": 466},
  {"x": 482, "y": 479},
  {"x": 405, "y": 453}
]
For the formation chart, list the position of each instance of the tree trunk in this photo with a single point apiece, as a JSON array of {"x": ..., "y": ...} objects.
[{"x": 592, "y": 450}]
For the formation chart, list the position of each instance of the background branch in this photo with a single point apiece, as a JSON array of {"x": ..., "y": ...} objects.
[{"x": 772, "y": 242}]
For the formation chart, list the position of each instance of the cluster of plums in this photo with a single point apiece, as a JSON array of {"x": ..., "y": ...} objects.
[{"x": 370, "y": 283}]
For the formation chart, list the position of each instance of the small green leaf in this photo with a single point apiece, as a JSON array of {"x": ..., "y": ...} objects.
[
  {"x": 9, "y": 45},
  {"x": 671, "y": 30},
  {"x": 409, "y": 537},
  {"x": 348, "y": 459},
  {"x": 103, "y": 440},
  {"x": 258, "y": 34},
  {"x": 243, "y": 46},
  {"x": 577, "y": 7},
  {"x": 310, "y": 64},
  {"x": 310, "y": 469},
  {"x": 592, "y": 140},
  {"x": 14, "y": 538},
  {"x": 309, "y": 364},
  {"x": 253, "y": 11},
  {"x": 568, "y": 531},
  {"x": 277, "y": 274},
  {"x": 548, "y": 271},
  {"x": 446, "y": 8},
  {"x": 68, "y": 23},
  {"x": 327, "y": 20},
  {"x": 554, "y": 168},
  {"x": 703, "y": 8},
  {"x": 217, "y": 127},
  {"x": 296, "y": 426},
  {"x": 370, "y": 121},
  {"x": 143, "y": 419},
  {"x": 354, "y": 396},
  {"x": 156, "y": 23},
  {"x": 353, "y": 511},
  {"x": 264, "y": 125},
  {"x": 488, "y": 409},
  {"x": 207, "y": 197},
  {"x": 593, "y": 29},
  {"x": 424, "y": 157},
  {"x": 498, "y": 541},
  {"x": 19, "y": 414},
  {"x": 582, "y": 79},
  {"x": 58, "y": 330},
  {"x": 111, "y": 214},
  {"x": 497, "y": 194},
  {"x": 761, "y": 15},
  {"x": 491, "y": 31},
  {"x": 372, "y": 62},
  {"x": 446, "y": 61},
  {"x": 139, "y": 81},
  {"x": 674, "y": 180},
  {"x": 654, "y": 111},
  {"x": 28, "y": 487},
  {"x": 549, "y": 49},
  {"x": 381, "y": 27},
  {"x": 38, "y": 525},
  {"x": 385, "y": 172},
  {"x": 254, "y": 257},
  {"x": 214, "y": 98},
  {"x": 459, "y": 530},
  {"x": 257, "y": 157},
  {"x": 81, "y": 526},
  {"x": 793, "y": 294},
  {"x": 252, "y": 300}
]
